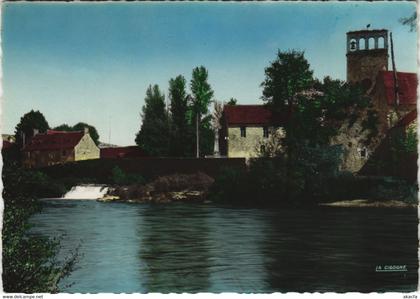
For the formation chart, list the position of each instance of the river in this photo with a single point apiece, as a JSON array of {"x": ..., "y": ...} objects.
[{"x": 184, "y": 247}]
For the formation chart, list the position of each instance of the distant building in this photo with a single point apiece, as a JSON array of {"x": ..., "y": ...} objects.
[
  {"x": 8, "y": 141},
  {"x": 122, "y": 152},
  {"x": 245, "y": 128},
  {"x": 56, "y": 147}
]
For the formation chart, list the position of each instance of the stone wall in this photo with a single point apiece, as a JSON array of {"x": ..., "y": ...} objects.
[
  {"x": 249, "y": 146},
  {"x": 366, "y": 64},
  {"x": 86, "y": 149},
  {"x": 44, "y": 158},
  {"x": 100, "y": 170}
]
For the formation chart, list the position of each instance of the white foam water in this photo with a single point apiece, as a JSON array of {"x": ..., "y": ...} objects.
[{"x": 86, "y": 192}]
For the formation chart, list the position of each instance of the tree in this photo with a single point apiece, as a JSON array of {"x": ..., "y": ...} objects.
[
  {"x": 202, "y": 95},
  {"x": 286, "y": 76},
  {"x": 315, "y": 108},
  {"x": 410, "y": 21},
  {"x": 80, "y": 127},
  {"x": 315, "y": 111},
  {"x": 24, "y": 130},
  {"x": 232, "y": 102},
  {"x": 179, "y": 143},
  {"x": 63, "y": 127},
  {"x": 154, "y": 131},
  {"x": 92, "y": 130},
  {"x": 30, "y": 263}
]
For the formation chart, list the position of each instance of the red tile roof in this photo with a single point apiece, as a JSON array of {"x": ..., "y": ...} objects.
[
  {"x": 407, "y": 83},
  {"x": 122, "y": 152},
  {"x": 54, "y": 140},
  {"x": 250, "y": 115}
]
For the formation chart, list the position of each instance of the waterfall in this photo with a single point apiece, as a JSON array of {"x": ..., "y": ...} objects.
[{"x": 86, "y": 192}]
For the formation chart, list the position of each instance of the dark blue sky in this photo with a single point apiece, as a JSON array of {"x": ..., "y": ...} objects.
[{"x": 93, "y": 62}]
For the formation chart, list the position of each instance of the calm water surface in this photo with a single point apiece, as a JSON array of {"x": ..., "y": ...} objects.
[{"x": 208, "y": 248}]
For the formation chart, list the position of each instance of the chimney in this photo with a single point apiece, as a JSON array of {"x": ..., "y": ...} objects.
[
  {"x": 36, "y": 132},
  {"x": 86, "y": 130}
]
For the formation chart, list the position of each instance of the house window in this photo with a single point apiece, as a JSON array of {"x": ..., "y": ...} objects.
[
  {"x": 265, "y": 132},
  {"x": 243, "y": 131}
]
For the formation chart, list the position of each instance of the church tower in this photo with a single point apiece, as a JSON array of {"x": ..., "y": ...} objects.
[{"x": 367, "y": 54}]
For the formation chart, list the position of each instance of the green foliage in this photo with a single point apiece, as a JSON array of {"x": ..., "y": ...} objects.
[
  {"x": 30, "y": 121},
  {"x": 119, "y": 177},
  {"x": 232, "y": 102},
  {"x": 92, "y": 131},
  {"x": 80, "y": 127},
  {"x": 63, "y": 127},
  {"x": 410, "y": 21},
  {"x": 318, "y": 116},
  {"x": 207, "y": 136},
  {"x": 201, "y": 99},
  {"x": 153, "y": 136},
  {"x": 316, "y": 109},
  {"x": 201, "y": 91},
  {"x": 286, "y": 76},
  {"x": 181, "y": 137},
  {"x": 175, "y": 134},
  {"x": 410, "y": 141},
  {"x": 403, "y": 143},
  {"x": 230, "y": 186},
  {"x": 281, "y": 180},
  {"x": 29, "y": 261}
]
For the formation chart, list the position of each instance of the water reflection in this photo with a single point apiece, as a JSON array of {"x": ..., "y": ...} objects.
[
  {"x": 206, "y": 248},
  {"x": 175, "y": 256},
  {"x": 337, "y": 250}
]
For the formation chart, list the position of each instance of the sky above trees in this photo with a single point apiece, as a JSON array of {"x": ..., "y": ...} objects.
[{"x": 94, "y": 62}]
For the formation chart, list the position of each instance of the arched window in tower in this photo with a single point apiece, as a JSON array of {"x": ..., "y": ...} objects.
[
  {"x": 371, "y": 44},
  {"x": 381, "y": 43},
  {"x": 353, "y": 45},
  {"x": 362, "y": 44}
]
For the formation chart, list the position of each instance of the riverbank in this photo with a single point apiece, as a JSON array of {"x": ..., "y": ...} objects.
[
  {"x": 366, "y": 203},
  {"x": 165, "y": 189}
]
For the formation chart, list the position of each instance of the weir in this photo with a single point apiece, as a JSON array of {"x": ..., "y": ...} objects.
[{"x": 86, "y": 192}]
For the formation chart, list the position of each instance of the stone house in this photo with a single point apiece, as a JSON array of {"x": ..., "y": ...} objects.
[
  {"x": 57, "y": 147},
  {"x": 367, "y": 63},
  {"x": 245, "y": 129}
]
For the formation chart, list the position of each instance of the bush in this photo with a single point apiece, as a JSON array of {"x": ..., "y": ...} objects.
[
  {"x": 300, "y": 178},
  {"x": 29, "y": 262},
  {"x": 230, "y": 186},
  {"x": 119, "y": 177}
]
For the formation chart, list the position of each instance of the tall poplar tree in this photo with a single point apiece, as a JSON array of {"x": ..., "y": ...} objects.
[
  {"x": 202, "y": 94},
  {"x": 179, "y": 139},
  {"x": 153, "y": 136}
]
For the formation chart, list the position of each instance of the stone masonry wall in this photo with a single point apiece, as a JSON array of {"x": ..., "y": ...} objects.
[
  {"x": 86, "y": 149},
  {"x": 249, "y": 146}
]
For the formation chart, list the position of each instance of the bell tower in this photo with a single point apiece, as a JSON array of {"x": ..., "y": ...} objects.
[{"x": 367, "y": 54}]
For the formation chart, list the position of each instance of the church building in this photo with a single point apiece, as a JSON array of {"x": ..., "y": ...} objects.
[{"x": 393, "y": 96}]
